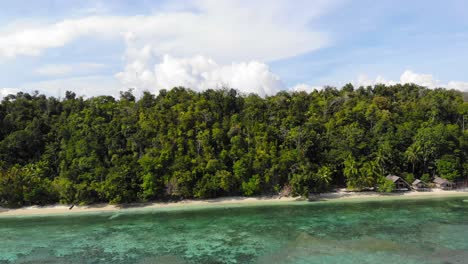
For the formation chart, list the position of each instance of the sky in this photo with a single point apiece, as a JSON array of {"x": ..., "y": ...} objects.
[{"x": 95, "y": 47}]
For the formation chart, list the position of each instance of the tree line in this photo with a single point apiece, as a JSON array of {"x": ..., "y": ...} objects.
[{"x": 186, "y": 144}]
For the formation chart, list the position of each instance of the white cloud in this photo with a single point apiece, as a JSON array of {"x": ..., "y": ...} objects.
[
  {"x": 303, "y": 87},
  {"x": 462, "y": 86},
  {"x": 87, "y": 86},
  {"x": 408, "y": 76},
  {"x": 198, "y": 73},
  {"x": 363, "y": 80},
  {"x": 6, "y": 91},
  {"x": 235, "y": 36},
  {"x": 64, "y": 69},
  {"x": 224, "y": 30},
  {"x": 422, "y": 79}
]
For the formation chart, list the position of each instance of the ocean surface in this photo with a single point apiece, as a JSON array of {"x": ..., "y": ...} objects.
[{"x": 399, "y": 231}]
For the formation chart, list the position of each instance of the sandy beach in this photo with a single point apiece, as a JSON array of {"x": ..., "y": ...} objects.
[{"x": 340, "y": 195}]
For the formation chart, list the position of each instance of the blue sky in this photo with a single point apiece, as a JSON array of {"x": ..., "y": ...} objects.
[{"x": 101, "y": 47}]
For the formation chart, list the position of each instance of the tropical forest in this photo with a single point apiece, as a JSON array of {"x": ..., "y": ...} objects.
[{"x": 181, "y": 144}]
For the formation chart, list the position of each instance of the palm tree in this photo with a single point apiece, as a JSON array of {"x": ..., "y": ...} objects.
[
  {"x": 351, "y": 171},
  {"x": 413, "y": 154}
]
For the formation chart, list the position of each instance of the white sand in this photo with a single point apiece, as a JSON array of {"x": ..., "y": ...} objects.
[
  {"x": 64, "y": 209},
  {"x": 342, "y": 194},
  {"x": 333, "y": 196}
]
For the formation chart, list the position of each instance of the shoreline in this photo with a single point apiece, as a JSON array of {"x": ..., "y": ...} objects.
[{"x": 341, "y": 195}]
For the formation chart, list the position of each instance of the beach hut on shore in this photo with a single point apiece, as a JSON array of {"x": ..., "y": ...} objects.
[
  {"x": 400, "y": 184},
  {"x": 443, "y": 184},
  {"x": 419, "y": 185}
]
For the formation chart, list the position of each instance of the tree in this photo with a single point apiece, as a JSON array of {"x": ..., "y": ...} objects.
[
  {"x": 185, "y": 144},
  {"x": 448, "y": 167},
  {"x": 351, "y": 172},
  {"x": 413, "y": 154},
  {"x": 385, "y": 185}
]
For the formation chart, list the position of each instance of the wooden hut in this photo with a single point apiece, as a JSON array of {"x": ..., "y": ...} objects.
[
  {"x": 399, "y": 183},
  {"x": 443, "y": 184},
  {"x": 419, "y": 185}
]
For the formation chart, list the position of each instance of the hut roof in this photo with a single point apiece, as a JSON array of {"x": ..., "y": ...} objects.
[
  {"x": 393, "y": 178},
  {"x": 440, "y": 180},
  {"x": 417, "y": 181}
]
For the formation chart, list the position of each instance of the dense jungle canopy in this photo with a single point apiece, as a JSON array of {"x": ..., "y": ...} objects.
[{"x": 186, "y": 144}]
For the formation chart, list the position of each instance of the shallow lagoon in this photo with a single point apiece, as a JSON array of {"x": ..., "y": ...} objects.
[{"x": 399, "y": 231}]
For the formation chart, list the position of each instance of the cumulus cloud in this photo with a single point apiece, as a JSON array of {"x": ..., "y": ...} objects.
[
  {"x": 422, "y": 79},
  {"x": 224, "y": 30},
  {"x": 235, "y": 37},
  {"x": 409, "y": 76},
  {"x": 363, "y": 80},
  {"x": 462, "y": 86},
  {"x": 303, "y": 87},
  {"x": 6, "y": 91},
  {"x": 87, "y": 86},
  {"x": 198, "y": 73}
]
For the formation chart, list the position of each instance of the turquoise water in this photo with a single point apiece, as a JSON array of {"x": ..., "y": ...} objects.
[{"x": 409, "y": 231}]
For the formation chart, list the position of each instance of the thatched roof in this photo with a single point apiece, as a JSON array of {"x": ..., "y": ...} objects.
[
  {"x": 417, "y": 181},
  {"x": 393, "y": 178},
  {"x": 440, "y": 180}
]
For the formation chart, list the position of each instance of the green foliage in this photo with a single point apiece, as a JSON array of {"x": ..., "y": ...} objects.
[
  {"x": 385, "y": 185},
  {"x": 351, "y": 172},
  {"x": 360, "y": 175},
  {"x": 26, "y": 185},
  {"x": 300, "y": 183},
  {"x": 426, "y": 178},
  {"x": 322, "y": 179},
  {"x": 306, "y": 180},
  {"x": 252, "y": 186},
  {"x": 408, "y": 177},
  {"x": 66, "y": 190},
  {"x": 11, "y": 187},
  {"x": 448, "y": 167},
  {"x": 185, "y": 144}
]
